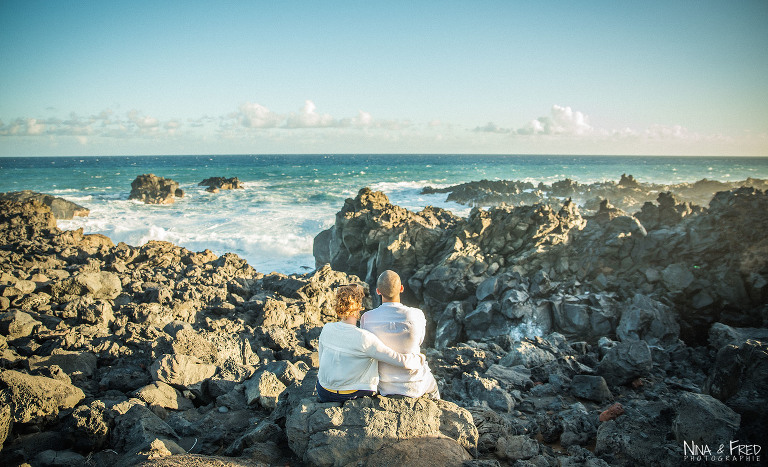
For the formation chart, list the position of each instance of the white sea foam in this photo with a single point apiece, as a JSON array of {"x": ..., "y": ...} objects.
[{"x": 267, "y": 228}]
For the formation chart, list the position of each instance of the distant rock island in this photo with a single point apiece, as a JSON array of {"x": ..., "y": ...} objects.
[
  {"x": 215, "y": 184},
  {"x": 151, "y": 189}
]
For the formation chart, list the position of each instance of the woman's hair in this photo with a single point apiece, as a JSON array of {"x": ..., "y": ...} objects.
[{"x": 349, "y": 300}]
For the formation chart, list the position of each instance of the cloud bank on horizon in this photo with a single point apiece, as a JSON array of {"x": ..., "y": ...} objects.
[
  {"x": 659, "y": 78},
  {"x": 252, "y": 122}
]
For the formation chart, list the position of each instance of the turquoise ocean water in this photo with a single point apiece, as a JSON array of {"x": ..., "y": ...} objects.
[{"x": 288, "y": 199}]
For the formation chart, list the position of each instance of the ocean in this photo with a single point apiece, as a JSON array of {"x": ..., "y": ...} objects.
[{"x": 288, "y": 199}]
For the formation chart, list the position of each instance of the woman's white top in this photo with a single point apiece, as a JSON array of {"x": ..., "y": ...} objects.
[{"x": 349, "y": 358}]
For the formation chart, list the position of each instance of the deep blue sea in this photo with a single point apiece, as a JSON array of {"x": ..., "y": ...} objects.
[{"x": 288, "y": 199}]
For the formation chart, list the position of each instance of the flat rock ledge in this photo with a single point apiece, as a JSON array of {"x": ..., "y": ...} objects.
[
  {"x": 60, "y": 207},
  {"x": 332, "y": 434}
]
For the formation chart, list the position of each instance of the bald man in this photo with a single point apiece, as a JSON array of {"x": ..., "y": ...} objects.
[{"x": 402, "y": 328}]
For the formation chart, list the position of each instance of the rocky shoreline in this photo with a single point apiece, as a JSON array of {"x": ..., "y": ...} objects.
[{"x": 557, "y": 339}]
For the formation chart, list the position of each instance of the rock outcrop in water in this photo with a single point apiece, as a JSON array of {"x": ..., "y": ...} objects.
[
  {"x": 60, "y": 207},
  {"x": 215, "y": 184},
  {"x": 155, "y": 355},
  {"x": 151, "y": 189}
]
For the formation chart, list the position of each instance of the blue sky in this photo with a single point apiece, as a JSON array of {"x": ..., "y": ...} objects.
[{"x": 96, "y": 78}]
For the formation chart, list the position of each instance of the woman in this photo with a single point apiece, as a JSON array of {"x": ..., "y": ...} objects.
[{"x": 349, "y": 355}]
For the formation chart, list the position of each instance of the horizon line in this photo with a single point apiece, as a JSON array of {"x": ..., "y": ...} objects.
[{"x": 318, "y": 154}]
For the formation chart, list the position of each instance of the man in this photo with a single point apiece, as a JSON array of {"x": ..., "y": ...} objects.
[{"x": 402, "y": 328}]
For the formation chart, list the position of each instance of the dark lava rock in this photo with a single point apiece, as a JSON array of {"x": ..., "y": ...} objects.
[{"x": 152, "y": 189}]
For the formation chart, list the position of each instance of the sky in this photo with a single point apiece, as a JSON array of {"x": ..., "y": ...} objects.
[{"x": 507, "y": 77}]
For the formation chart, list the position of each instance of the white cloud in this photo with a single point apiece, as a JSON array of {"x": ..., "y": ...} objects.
[
  {"x": 104, "y": 124},
  {"x": 143, "y": 122},
  {"x": 561, "y": 121},
  {"x": 253, "y": 115},
  {"x": 309, "y": 118},
  {"x": 363, "y": 119},
  {"x": 491, "y": 127},
  {"x": 23, "y": 127}
]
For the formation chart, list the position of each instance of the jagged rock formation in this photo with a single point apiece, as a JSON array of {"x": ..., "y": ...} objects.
[
  {"x": 215, "y": 184},
  {"x": 60, "y": 207},
  {"x": 152, "y": 189},
  {"x": 553, "y": 269}
]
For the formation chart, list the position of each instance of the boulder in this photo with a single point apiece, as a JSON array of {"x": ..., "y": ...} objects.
[
  {"x": 265, "y": 388},
  {"x": 527, "y": 354},
  {"x": 89, "y": 426},
  {"x": 704, "y": 420},
  {"x": 182, "y": 371},
  {"x": 163, "y": 395},
  {"x": 738, "y": 379},
  {"x": 36, "y": 397},
  {"x": 625, "y": 362},
  {"x": 99, "y": 285},
  {"x": 579, "y": 426},
  {"x": 516, "y": 447},
  {"x": 265, "y": 432},
  {"x": 152, "y": 189},
  {"x": 15, "y": 324},
  {"x": 51, "y": 458},
  {"x": 138, "y": 432},
  {"x": 475, "y": 390},
  {"x": 6, "y": 423},
  {"x": 639, "y": 437},
  {"x": 721, "y": 335},
  {"x": 74, "y": 364},
  {"x": 677, "y": 277},
  {"x": 649, "y": 320},
  {"x": 125, "y": 377},
  {"x": 590, "y": 387},
  {"x": 333, "y": 434},
  {"x": 517, "y": 377}
]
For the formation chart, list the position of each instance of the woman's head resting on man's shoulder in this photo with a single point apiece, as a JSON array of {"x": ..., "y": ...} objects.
[{"x": 349, "y": 300}]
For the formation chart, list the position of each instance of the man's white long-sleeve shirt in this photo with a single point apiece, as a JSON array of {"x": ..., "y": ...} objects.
[
  {"x": 349, "y": 358},
  {"x": 402, "y": 328}
]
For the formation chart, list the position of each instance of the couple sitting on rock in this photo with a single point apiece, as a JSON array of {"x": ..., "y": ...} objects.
[{"x": 382, "y": 355}]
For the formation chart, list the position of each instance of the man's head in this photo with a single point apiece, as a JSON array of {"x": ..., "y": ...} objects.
[{"x": 389, "y": 287}]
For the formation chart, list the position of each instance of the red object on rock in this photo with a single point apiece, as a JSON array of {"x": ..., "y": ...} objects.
[{"x": 613, "y": 411}]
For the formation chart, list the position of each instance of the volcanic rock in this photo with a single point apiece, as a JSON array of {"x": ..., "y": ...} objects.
[
  {"x": 329, "y": 434},
  {"x": 34, "y": 398},
  {"x": 60, "y": 207},
  {"x": 590, "y": 387},
  {"x": 626, "y": 361},
  {"x": 152, "y": 189},
  {"x": 181, "y": 370},
  {"x": 215, "y": 184},
  {"x": 702, "y": 419}
]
